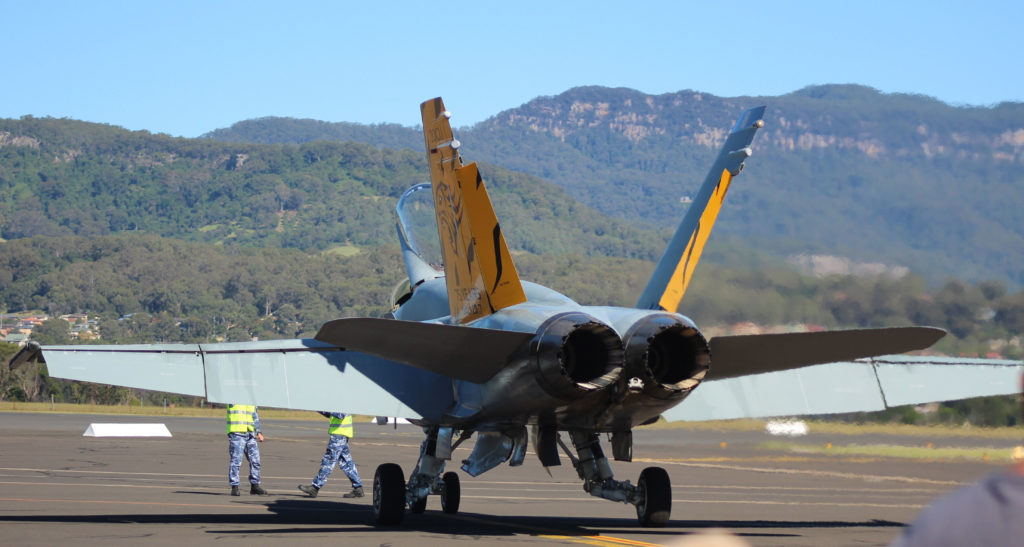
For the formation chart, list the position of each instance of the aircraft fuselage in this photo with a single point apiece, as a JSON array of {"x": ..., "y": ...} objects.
[{"x": 587, "y": 367}]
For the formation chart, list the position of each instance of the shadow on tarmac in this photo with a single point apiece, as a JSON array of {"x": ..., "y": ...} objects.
[{"x": 297, "y": 516}]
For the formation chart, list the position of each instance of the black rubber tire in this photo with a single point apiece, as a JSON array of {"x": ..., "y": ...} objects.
[
  {"x": 655, "y": 508},
  {"x": 389, "y": 494},
  {"x": 452, "y": 493},
  {"x": 419, "y": 506}
]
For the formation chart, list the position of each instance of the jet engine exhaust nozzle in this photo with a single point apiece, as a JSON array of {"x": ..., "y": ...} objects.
[
  {"x": 669, "y": 356},
  {"x": 575, "y": 355}
]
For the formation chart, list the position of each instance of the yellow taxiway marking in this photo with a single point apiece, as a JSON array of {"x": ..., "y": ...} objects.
[
  {"x": 603, "y": 541},
  {"x": 548, "y": 533}
]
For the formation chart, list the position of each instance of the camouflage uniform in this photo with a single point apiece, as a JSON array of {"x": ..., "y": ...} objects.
[
  {"x": 338, "y": 453},
  {"x": 240, "y": 442}
]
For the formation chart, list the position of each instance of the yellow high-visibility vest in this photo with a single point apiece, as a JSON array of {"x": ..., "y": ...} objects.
[
  {"x": 240, "y": 418},
  {"x": 342, "y": 427}
]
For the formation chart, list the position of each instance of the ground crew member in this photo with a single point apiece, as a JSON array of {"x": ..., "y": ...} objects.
[
  {"x": 337, "y": 452},
  {"x": 243, "y": 433}
]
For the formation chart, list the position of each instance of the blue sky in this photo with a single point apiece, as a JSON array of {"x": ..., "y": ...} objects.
[{"x": 186, "y": 67}]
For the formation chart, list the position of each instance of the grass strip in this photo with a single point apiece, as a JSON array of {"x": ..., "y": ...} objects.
[{"x": 982, "y": 454}]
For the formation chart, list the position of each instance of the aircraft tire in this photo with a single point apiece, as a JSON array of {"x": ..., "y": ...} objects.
[
  {"x": 419, "y": 506},
  {"x": 452, "y": 493},
  {"x": 389, "y": 494},
  {"x": 655, "y": 507}
]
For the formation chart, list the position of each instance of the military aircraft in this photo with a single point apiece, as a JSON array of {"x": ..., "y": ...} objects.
[{"x": 471, "y": 349}]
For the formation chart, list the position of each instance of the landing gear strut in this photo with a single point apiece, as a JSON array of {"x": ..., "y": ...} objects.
[{"x": 652, "y": 495}]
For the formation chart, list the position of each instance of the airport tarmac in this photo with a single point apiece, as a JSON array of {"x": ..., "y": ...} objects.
[{"x": 57, "y": 486}]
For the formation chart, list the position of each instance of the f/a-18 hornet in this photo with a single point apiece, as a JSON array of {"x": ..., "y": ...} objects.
[{"x": 471, "y": 350}]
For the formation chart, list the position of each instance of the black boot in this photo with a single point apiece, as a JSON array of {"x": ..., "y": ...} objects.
[
  {"x": 257, "y": 490},
  {"x": 234, "y": 490},
  {"x": 309, "y": 489},
  {"x": 357, "y": 492}
]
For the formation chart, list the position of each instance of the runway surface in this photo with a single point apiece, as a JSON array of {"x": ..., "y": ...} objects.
[{"x": 57, "y": 486}]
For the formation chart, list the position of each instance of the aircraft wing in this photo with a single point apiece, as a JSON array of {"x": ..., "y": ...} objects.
[
  {"x": 861, "y": 385},
  {"x": 304, "y": 374}
]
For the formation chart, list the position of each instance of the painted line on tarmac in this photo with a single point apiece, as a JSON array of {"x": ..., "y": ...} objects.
[
  {"x": 247, "y": 507},
  {"x": 141, "y": 473},
  {"x": 538, "y": 487},
  {"x": 814, "y": 503},
  {"x": 44, "y": 480},
  {"x": 105, "y": 472},
  {"x": 284, "y": 494},
  {"x": 809, "y": 472},
  {"x": 709, "y": 501},
  {"x": 563, "y": 482},
  {"x": 108, "y": 485},
  {"x": 367, "y": 443},
  {"x": 800, "y": 488},
  {"x": 564, "y": 487}
]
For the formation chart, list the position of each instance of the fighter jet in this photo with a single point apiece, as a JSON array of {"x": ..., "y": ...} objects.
[{"x": 471, "y": 350}]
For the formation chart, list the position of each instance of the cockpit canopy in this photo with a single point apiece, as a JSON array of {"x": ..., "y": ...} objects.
[{"x": 417, "y": 225}]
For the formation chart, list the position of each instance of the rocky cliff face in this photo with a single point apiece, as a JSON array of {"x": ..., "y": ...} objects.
[{"x": 850, "y": 118}]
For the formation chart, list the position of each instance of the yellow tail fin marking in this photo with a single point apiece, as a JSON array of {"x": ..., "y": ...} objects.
[
  {"x": 501, "y": 279},
  {"x": 479, "y": 273},
  {"x": 684, "y": 270}
]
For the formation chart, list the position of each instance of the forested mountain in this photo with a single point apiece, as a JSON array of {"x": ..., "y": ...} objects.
[
  {"x": 63, "y": 177},
  {"x": 276, "y": 130},
  {"x": 838, "y": 169}
]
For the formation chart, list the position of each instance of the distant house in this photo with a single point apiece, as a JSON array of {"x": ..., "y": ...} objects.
[{"x": 16, "y": 338}]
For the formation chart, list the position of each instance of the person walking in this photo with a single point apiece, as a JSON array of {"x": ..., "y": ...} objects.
[
  {"x": 340, "y": 431},
  {"x": 243, "y": 434}
]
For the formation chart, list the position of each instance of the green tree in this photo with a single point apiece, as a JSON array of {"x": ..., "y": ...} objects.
[{"x": 54, "y": 332}]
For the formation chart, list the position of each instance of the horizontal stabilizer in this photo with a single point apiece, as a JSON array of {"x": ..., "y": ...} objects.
[
  {"x": 733, "y": 356},
  {"x": 465, "y": 353}
]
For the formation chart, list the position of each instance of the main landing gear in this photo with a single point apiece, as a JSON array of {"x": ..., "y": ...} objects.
[
  {"x": 652, "y": 494},
  {"x": 391, "y": 494}
]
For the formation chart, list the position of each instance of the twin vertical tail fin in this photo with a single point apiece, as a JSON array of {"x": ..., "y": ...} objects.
[
  {"x": 672, "y": 276},
  {"x": 480, "y": 276}
]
